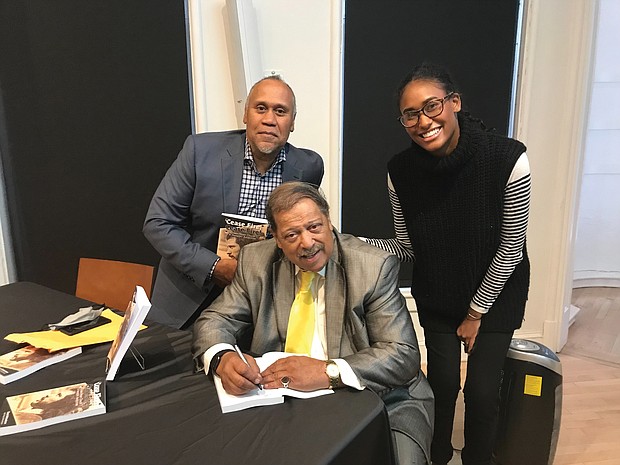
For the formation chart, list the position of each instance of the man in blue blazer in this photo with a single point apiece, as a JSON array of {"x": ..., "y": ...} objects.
[
  {"x": 362, "y": 335},
  {"x": 232, "y": 172}
]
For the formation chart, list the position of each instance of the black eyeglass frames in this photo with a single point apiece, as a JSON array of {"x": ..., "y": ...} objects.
[{"x": 432, "y": 108}]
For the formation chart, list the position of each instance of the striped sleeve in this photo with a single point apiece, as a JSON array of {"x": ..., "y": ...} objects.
[
  {"x": 512, "y": 236},
  {"x": 400, "y": 245}
]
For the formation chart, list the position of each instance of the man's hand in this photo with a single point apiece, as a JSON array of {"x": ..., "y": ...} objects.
[
  {"x": 237, "y": 377},
  {"x": 304, "y": 374},
  {"x": 224, "y": 272}
]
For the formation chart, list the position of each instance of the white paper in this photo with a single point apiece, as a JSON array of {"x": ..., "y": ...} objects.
[{"x": 260, "y": 397}]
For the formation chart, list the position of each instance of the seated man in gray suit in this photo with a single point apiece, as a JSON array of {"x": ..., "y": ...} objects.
[
  {"x": 231, "y": 172},
  {"x": 353, "y": 326}
]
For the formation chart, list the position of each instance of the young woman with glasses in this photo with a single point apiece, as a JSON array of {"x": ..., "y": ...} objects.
[{"x": 460, "y": 201}]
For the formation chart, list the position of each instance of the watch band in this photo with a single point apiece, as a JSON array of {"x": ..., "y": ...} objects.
[
  {"x": 333, "y": 373},
  {"x": 216, "y": 359}
]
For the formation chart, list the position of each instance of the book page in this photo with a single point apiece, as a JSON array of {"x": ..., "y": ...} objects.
[
  {"x": 257, "y": 397},
  {"x": 260, "y": 397}
]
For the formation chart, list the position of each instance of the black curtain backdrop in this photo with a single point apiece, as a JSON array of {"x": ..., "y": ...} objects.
[
  {"x": 94, "y": 107},
  {"x": 474, "y": 39}
]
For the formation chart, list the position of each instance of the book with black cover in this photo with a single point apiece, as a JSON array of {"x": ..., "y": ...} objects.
[
  {"x": 26, "y": 360},
  {"x": 33, "y": 410},
  {"x": 238, "y": 231}
]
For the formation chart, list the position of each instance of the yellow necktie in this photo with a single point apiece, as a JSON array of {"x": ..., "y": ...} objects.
[{"x": 301, "y": 319}]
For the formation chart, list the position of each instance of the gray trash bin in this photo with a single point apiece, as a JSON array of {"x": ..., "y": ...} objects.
[{"x": 530, "y": 405}]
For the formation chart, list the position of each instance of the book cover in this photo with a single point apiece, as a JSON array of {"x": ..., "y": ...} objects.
[
  {"x": 135, "y": 314},
  {"x": 261, "y": 397},
  {"x": 33, "y": 410},
  {"x": 26, "y": 360},
  {"x": 238, "y": 231}
]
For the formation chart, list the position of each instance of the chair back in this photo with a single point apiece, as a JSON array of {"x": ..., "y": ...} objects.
[{"x": 112, "y": 282}]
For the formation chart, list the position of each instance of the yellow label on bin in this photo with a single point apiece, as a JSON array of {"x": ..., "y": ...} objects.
[{"x": 533, "y": 385}]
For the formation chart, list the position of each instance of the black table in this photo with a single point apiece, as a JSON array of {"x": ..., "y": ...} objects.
[{"x": 167, "y": 414}]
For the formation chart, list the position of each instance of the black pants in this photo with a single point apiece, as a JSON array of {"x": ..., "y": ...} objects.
[{"x": 481, "y": 393}]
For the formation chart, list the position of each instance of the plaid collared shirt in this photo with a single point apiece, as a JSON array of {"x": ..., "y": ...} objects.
[{"x": 256, "y": 187}]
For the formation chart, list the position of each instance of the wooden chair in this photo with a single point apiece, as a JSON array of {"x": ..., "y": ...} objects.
[{"x": 112, "y": 282}]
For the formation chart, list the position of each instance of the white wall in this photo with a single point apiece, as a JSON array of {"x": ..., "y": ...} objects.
[
  {"x": 597, "y": 244},
  {"x": 553, "y": 100},
  {"x": 301, "y": 40}
]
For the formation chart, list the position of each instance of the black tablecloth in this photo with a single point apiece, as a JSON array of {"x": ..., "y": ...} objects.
[{"x": 166, "y": 414}]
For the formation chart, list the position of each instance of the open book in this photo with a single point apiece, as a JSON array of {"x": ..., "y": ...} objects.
[
  {"x": 238, "y": 231},
  {"x": 136, "y": 311},
  {"x": 25, "y": 412},
  {"x": 257, "y": 397},
  {"x": 22, "y": 362}
]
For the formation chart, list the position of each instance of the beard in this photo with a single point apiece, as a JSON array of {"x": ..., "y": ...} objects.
[{"x": 267, "y": 148}]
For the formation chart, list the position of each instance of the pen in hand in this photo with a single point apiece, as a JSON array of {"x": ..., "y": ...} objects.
[{"x": 246, "y": 362}]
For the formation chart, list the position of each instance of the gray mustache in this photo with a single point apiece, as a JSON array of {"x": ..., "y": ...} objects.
[{"x": 309, "y": 252}]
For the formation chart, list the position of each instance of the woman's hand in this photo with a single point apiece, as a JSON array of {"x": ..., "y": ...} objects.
[{"x": 468, "y": 329}]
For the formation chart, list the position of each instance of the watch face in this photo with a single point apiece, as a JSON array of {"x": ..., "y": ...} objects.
[{"x": 332, "y": 370}]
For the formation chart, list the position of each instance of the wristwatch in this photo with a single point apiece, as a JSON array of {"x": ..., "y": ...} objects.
[
  {"x": 215, "y": 361},
  {"x": 333, "y": 373}
]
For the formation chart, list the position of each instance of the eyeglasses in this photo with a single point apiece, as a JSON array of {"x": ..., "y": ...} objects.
[{"x": 432, "y": 108}]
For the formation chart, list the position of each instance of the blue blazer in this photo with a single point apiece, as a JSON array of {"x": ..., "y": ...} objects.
[{"x": 184, "y": 217}]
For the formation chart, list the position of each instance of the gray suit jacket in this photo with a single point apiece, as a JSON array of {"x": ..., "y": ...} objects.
[
  {"x": 368, "y": 323},
  {"x": 184, "y": 217}
]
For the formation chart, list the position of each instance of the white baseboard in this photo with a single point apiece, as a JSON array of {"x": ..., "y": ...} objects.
[
  {"x": 573, "y": 314},
  {"x": 596, "y": 282}
]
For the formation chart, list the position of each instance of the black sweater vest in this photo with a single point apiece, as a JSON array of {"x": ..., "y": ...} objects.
[{"x": 453, "y": 209}]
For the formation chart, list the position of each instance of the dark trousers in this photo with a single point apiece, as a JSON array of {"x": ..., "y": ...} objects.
[{"x": 481, "y": 393}]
